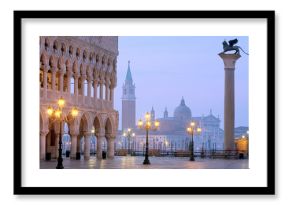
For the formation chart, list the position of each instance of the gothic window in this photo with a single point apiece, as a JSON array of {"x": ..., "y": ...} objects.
[
  {"x": 49, "y": 77},
  {"x": 57, "y": 87},
  {"x": 79, "y": 85},
  {"x": 86, "y": 88},
  {"x": 72, "y": 85},
  {"x": 92, "y": 90},
  {"x": 65, "y": 88},
  {"x": 125, "y": 91},
  {"x": 41, "y": 78}
]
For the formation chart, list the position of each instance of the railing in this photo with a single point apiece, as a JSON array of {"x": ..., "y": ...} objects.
[
  {"x": 80, "y": 101},
  {"x": 213, "y": 154}
]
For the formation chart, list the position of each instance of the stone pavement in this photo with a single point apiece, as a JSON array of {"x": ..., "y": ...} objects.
[{"x": 129, "y": 162}]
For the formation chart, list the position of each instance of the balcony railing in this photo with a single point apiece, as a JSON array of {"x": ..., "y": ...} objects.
[{"x": 79, "y": 101}]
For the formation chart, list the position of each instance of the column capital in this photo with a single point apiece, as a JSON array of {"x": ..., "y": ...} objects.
[
  {"x": 74, "y": 133},
  {"x": 62, "y": 72},
  {"x": 89, "y": 78},
  {"x": 44, "y": 132},
  {"x": 68, "y": 72},
  {"x": 45, "y": 68},
  {"x": 229, "y": 60},
  {"x": 111, "y": 137},
  {"x": 53, "y": 69},
  {"x": 88, "y": 134},
  {"x": 76, "y": 75},
  {"x": 83, "y": 76}
]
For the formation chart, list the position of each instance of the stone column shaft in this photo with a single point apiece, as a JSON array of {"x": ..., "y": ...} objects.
[
  {"x": 100, "y": 139},
  {"x": 43, "y": 145},
  {"x": 107, "y": 91},
  {"x": 111, "y": 148},
  {"x": 68, "y": 82},
  {"x": 229, "y": 100},
  {"x": 73, "y": 146},
  {"x": 87, "y": 146},
  {"x": 95, "y": 90},
  {"x": 89, "y": 87},
  {"x": 101, "y": 90},
  {"x": 79, "y": 143},
  {"x": 229, "y": 108},
  {"x": 44, "y": 83},
  {"x": 61, "y": 82},
  {"x": 76, "y": 84},
  {"x": 53, "y": 80},
  {"x": 112, "y": 96}
]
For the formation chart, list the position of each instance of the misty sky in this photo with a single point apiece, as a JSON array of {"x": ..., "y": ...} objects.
[{"x": 166, "y": 68}]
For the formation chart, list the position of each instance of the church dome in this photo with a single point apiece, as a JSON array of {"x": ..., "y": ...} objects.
[{"x": 182, "y": 112}]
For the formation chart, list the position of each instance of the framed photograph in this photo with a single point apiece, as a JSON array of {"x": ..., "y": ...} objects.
[{"x": 144, "y": 102}]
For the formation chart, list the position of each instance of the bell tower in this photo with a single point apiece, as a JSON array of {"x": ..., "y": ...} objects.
[{"x": 128, "y": 102}]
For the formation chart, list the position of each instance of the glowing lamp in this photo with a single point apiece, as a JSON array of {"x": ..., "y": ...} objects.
[
  {"x": 74, "y": 112},
  {"x": 49, "y": 111},
  {"x": 61, "y": 102}
]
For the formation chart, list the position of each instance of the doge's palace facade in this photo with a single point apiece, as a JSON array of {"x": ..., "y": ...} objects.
[{"x": 83, "y": 71}]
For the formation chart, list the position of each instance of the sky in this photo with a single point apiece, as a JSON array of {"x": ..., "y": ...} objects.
[{"x": 166, "y": 68}]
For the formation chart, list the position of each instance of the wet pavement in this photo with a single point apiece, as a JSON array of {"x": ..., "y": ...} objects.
[{"x": 129, "y": 162}]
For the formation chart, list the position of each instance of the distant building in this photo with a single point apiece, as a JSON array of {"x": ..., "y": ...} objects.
[
  {"x": 240, "y": 131},
  {"x": 128, "y": 102},
  {"x": 172, "y": 132}
]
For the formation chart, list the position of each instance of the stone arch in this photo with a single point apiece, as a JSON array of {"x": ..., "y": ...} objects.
[
  {"x": 68, "y": 65},
  {"x": 108, "y": 127},
  {"x": 109, "y": 61},
  {"x": 89, "y": 71},
  {"x": 61, "y": 63},
  {"x": 63, "y": 49},
  {"x": 44, "y": 59},
  {"x": 71, "y": 51},
  {"x": 97, "y": 58},
  {"x": 78, "y": 53},
  {"x": 104, "y": 59},
  {"x": 75, "y": 67},
  {"x": 55, "y": 46},
  {"x": 52, "y": 62},
  {"x": 97, "y": 124},
  {"x": 84, "y": 123},
  {"x": 92, "y": 56},
  {"x": 47, "y": 44},
  {"x": 96, "y": 73},
  {"x": 83, "y": 69},
  {"x": 85, "y": 55}
]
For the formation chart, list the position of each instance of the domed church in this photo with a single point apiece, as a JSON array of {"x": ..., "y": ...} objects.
[{"x": 182, "y": 117}]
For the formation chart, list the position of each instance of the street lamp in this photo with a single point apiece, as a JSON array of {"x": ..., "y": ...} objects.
[
  {"x": 129, "y": 133},
  {"x": 147, "y": 125},
  {"x": 57, "y": 115},
  {"x": 191, "y": 130}
]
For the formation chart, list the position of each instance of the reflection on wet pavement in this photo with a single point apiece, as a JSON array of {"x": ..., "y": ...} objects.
[{"x": 129, "y": 162}]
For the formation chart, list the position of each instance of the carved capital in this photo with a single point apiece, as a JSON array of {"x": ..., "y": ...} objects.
[
  {"x": 43, "y": 132},
  {"x": 229, "y": 60}
]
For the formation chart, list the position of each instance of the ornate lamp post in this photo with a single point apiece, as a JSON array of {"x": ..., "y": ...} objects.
[
  {"x": 129, "y": 133},
  {"x": 191, "y": 130},
  {"x": 147, "y": 125},
  {"x": 57, "y": 115}
]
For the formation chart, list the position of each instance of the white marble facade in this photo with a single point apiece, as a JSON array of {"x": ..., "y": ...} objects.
[{"x": 83, "y": 71}]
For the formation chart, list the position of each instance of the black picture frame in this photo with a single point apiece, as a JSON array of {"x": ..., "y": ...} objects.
[{"x": 268, "y": 190}]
